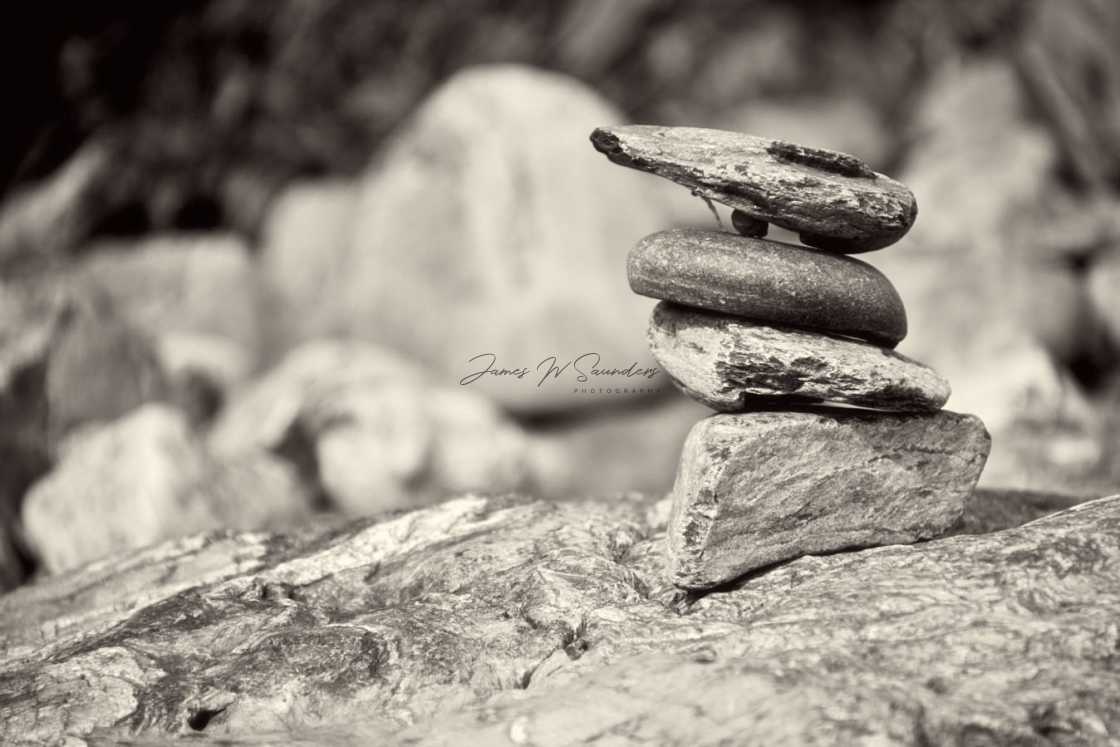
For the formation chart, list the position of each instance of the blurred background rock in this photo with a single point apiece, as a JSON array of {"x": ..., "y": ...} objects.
[{"x": 246, "y": 248}]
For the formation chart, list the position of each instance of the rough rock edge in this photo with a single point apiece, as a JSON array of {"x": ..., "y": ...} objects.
[
  {"x": 709, "y": 455},
  {"x": 815, "y": 198},
  {"x": 732, "y": 364}
]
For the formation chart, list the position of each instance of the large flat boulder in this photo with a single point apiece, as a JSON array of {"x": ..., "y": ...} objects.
[{"x": 486, "y": 620}]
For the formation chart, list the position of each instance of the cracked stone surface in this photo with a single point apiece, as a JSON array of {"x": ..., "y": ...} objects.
[
  {"x": 731, "y": 364},
  {"x": 834, "y": 201},
  {"x": 498, "y": 620},
  {"x": 768, "y": 281},
  {"x": 758, "y": 488}
]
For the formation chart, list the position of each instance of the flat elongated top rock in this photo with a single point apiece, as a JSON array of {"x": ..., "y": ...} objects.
[
  {"x": 758, "y": 488},
  {"x": 768, "y": 282},
  {"x": 834, "y": 201},
  {"x": 728, "y": 363}
]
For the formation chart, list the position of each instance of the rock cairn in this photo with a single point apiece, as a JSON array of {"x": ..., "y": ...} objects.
[{"x": 764, "y": 332}]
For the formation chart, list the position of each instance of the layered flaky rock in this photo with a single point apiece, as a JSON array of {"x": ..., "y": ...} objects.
[
  {"x": 769, "y": 282},
  {"x": 757, "y": 488},
  {"x": 731, "y": 364},
  {"x": 494, "y": 620},
  {"x": 833, "y": 200}
]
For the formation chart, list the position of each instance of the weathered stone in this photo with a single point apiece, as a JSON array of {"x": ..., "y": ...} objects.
[
  {"x": 114, "y": 487},
  {"x": 768, "y": 282},
  {"x": 144, "y": 479},
  {"x": 728, "y": 363},
  {"x": 548, "y": 239},
  {"x": 758, "y": 488},
  {"x": 834, "y": 201},
  {"x": 493, "y": 620}
]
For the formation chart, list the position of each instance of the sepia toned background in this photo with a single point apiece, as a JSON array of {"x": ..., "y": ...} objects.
[{"x": 248, "y": 250}]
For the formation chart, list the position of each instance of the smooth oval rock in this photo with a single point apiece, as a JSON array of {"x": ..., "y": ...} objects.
[
  {"x": 729, "y": 364},
  {"x": 757, "y": 488},
  {"x": 768, "y": 281},
  {"x": 833, "y": 200}
]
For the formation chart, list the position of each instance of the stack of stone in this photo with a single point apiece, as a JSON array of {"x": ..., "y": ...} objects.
[{"x": 763, "y": 332}]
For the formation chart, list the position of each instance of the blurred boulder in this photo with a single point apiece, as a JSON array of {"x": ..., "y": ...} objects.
[
  {"x": 261, "y": 413},
  {"x": 195, "y": 296},
  {"x": 67, "y": 358},
  {"x": 499, "y": 621},
  {"x": 146, "y": 478},
  {"x": 996, "y": 316},
  {"x": 100, "y": 366},
  {"x": 255, "y": 490},
  {"x": 186, "y": 284},
  {"x": 115, "y": 486},
  {"x": 305, "y": 240},
  {"x": 1068, "y": 57},
  {"x": 490, "y": 227},
  {"x": 372, "y": 430},
  {"x": 400, "y": 446}
]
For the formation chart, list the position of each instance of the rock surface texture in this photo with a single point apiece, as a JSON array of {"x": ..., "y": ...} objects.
[
  {"x": 757, "y": 488},
  {"x": 834, "y": 201},
  {"x": 769, "y": 282},
  {"x": 731, "y": 364},
  {"x": 506, "y": 621}
]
